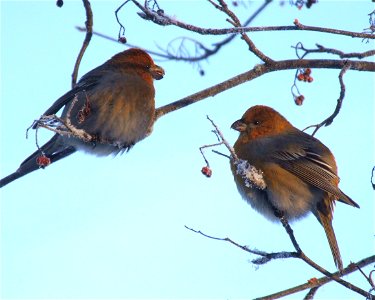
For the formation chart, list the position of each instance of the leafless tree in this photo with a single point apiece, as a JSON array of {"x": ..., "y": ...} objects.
[{"x": 195, "y": 51}]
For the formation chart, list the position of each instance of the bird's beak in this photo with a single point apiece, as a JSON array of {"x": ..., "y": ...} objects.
[
  {"x": 157, "y": 72},
  {"x": 239, "y": 125}
]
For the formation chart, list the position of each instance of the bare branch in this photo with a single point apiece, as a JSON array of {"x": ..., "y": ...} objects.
[
  {"x": 86, "y": 41},
  {"x": 332, "y": 31},
  {"x": 302, "y": 255},
  {"x": 258, "y": 71},
  {"x": 162, "y": 19},
  {"x": 312, "y": 283},
  {"x": 246, "y": 248},
  {"x": 320, "y": 281}
]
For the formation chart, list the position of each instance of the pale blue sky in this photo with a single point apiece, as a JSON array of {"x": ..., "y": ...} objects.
[{"x": 104, "y": 228}]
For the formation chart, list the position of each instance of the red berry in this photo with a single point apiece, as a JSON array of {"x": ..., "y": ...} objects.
[
  {"x": 300, "y": 77},
  {"x": 308, "y": 71},
  {"x": 310, "y": 79},
  {"x": 296, "y": 22},
  {"x": 43, "y": 161},
  {"x": 299, "y": 100},
  {"x": 206, "y": 171}
]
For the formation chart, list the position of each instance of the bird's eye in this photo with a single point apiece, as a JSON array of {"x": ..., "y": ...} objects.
[{"x": 256, "y": 122}]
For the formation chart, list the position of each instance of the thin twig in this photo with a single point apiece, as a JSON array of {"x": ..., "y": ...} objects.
[
  {"x": 86, "y": 41},
  {"x": 208, "y": 146},
  {"x": 341, "y": 54},
  {"x": 222, "y": 154},
  {"x": 121, "y": 32},
  {"x": 246, "y": 248},
  {"x": 368, "y": 278},
  {"x": 224, "y": 141},
  {"x": 328, "y": 121},
  {"x": 107, "y": 37}
]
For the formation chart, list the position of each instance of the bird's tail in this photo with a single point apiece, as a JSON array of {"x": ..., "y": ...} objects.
[
  {"x": 326, "y": 221},
  {"x": 50, "y": 152}
]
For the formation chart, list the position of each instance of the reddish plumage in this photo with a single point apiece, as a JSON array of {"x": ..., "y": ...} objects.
[
  {"x": 299, "y": 171},
  {"x": 115, "y": 104}
]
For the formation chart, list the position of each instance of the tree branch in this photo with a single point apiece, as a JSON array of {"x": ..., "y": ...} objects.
[
  {"x": 306, "y": 259},
  {"x": 158, "y": 17},
  {"x": 258, "y": 71},
  {"x": 320, "y": 281},
  {"x": 352, "y": 267}
]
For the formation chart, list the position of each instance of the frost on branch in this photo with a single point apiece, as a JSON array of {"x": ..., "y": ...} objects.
[
  {"x": 65, "y": 127},
  {"x": 252, "y": 176}
]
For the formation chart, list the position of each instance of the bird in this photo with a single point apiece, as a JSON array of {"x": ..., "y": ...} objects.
[
  {"x": 299, "y": 172},
  {"x": 113, "y": 104}
]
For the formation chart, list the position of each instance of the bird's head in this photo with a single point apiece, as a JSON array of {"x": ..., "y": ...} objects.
[
  {"x": 260, "y": 121},
  {"x": 138, "y": 60}
]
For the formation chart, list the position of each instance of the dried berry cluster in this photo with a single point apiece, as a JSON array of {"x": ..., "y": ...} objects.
[{"x": 304, "y": 75}]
